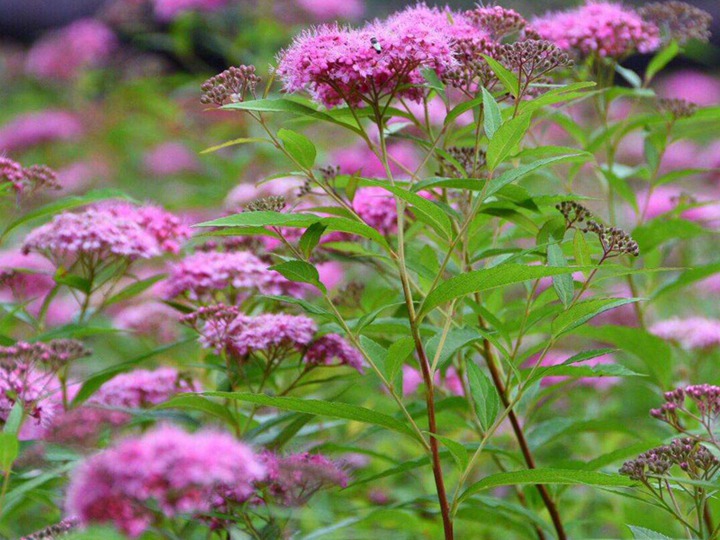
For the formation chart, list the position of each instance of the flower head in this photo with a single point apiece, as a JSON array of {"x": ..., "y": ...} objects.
[
  {"x": 690, "y": 333},
  {"x": 143, "y": 388},
  {"x": 178, "y": 471},
  {"x": 687, "y": 453},
  {"x": 32, "y": 129},
  {"x": 678, "y": 20},
  {"x": 599, "y": 28},
  {"x": 171, "y": 158},
  {"x": 231, "y": 86},
  {"x": 332, "y": 350},
  {"x": 377, "y": 208},
  {"x": 203, "y": 276},
  {"x": 86, "y": 43}
]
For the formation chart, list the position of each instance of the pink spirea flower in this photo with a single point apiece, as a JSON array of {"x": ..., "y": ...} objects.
[
  {"x": 153, "y": 319},
  {"x": 557, "y": 357},
  {"x": 293, "y": 479},
  {"x": 143, "y": 388},
  {"x": 23, "y": 277},
  {"x": 31, "y": 129},
  {"x": 82, "y": 426},
  {"x": 168, "y": 467},
  {"x": 168, "y": 10},
  {"x": 361, "y": 161},
  {"x": 109, "y": 230},
  {"x": 86, "y": 43},
  {"x": 694, "y": 86},
  {"x": 271, "y": 333},
  {"x": 377, "y": 207},
  {"x": 25, "y": 383},
  {"x": 333, "y": 350},
  {"x": 324, "y": 10},
  {"x": 171, "y": 158},
  {"x": 599, "y": 28},
  {"x": 690, "y": 333},
  {"x": 204, "y": 274},
  {"x": 337, "y": 65},
  {"x": 11, "y": 172},
  {"x": 331, "y": 273},
  {"x": 78, "y": 175}
]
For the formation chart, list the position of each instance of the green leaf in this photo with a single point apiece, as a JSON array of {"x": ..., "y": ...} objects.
[
  {"x": 9, "y": 450},
  {"x": 492, "y": 115},
  {"x": 78, "y": 283},
  {"x": 134, "y": 289},
  {"x": 284, "y": 105},
  {"x": 461, "y": 109},
  {"x": 66, "y": 203},
  {"x": 507, "y": 77},
  {"x": 15, "y": 418},
  {"x": 426, "y": 210},
  {"x": 506, "y": 139},
  {"x": 396, "y": 356},
  {"x": 582, "y": 312},
  {"x": 299, "y": 147},
  {"x": 457, "y": 339},
  {"x": 487, "y": 401},
  {"x": 657, "y": 232},
  {"x": 629, "y": 75},
  {"x": 486, "y": 279},
  {"x": 581, "y": 250},
  {"x": 300, "y": 272},
  {"x": 661, "y": 59},
  {"x": 311, "y": 238},
  {"x": 563, "y": 284},
  {"x": 263, "y": 219},
  {"x": 547, "y": 476},
  {"x": 234, "y": 142},
  {"x": 457, "y": 450},
  {"x": 321, "y": 408},
  {"x": 196, "y": 402},
  {"x": 688, "y": 277},
  {"x": 641, "y": 533}
]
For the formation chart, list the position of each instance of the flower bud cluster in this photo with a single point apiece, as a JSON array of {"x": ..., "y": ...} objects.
[
  {"x": 687, "y": 453},
  {"x": 230, "y": 86},
  {"x": 678, "y": 20}
]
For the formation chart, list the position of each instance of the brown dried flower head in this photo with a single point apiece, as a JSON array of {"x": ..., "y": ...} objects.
[
  {"x": 678, "y": 20},
  {"x": 230, "y": 86}
]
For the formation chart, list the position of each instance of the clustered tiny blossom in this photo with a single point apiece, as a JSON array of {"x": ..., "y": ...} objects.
[
  {"x": 678, "y": 20},
  {"x": 144, "y": 388},
  {"x": 293, "y": 479},
  {"x": 690, "y": 333},
  {"x": 168, "y": 467},
  {"x": 377, "y": 208},
  {"x": 86, "y": 43},
  {"x": 204, "y": 276},
  {"x": 31, "y": 129},
  {"x": 599, "y": 28},
  {"x": 705, "y": 398},
  {"x": 273, "y": 334},
  {"x": 108, "y": 230},
  {"x": 687, "y": 453},
  {"x": 339, "y": 65},
  {"x": 332, "y": 349},
  {"x": 231, "y": 86},
  {"x": 152, "y": 319},
  {"x": 28, "y": 180}
]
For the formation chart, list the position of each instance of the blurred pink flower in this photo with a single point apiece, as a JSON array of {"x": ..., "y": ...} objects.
[
  {"x": 245, "y": 193},
  {"x": 80, "y": 174},
  {"x": 31, "y": 129},
  {"x": 332, "y": 350},
  {"x": 331, "y": 274},
  {"x": 171, "y": 158},
  {"x": 690, "y": 333},
  {"x": 599, "y": 28},
  {"x": 179, "y": 472},
  {"x": 324, "y": 10},
  {"x": 143, "y": 388},
  {"x": 86, "y": 43},
  {"x": 693, "y": 86},
  {"x": 168, "y": 10},
  {"x": 152, "y": 319},
  {"x": 377, "y": 208},
  {"x": 362, "y": 161}
]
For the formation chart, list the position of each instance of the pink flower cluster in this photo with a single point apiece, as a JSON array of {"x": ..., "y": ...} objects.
[
  {"x": 339, "y": 65},
  {"x": 168, "y": 467},
  {"x": 332, "y": 349},
  {"x": 168, "y": 10},
  {"x": 690, "y": 333},
  {"x": 240, "y": 334},
  {"x": 326, "y": 10},
  {"x": 171, "y": 158},
  {"x": 605, "y": 29},
  {"x": 25, "y": 383},
  {"x": 86, "y": 43},
  {"x": 293, "y": 479},
  {"x": 109, "y": 230},
  {"x": 36, "y": 128},
  {"x": 204, "y": 275},
  {"x": 25, "y": 181},
  {"x": 24, "y": 277},
  {"x": 152, "y": 319},
  {"x": 412, "y": 379}
]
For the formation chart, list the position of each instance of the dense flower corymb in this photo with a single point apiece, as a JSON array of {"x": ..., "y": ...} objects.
[
  {"x": 109, "y": 230},
  {"x": 599, "y": 28},
  {"x": 204, "y": 275},
  {"x": 332, "y": 349},
  {"x": 168, "y": 467},
  {"x": 340, "y": 65}
]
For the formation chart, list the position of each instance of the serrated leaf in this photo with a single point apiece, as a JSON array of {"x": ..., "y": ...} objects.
[
  {"x": 506, "y": 139},
  {"x": 492, "y": 116},
  {"x": 300, "y": 272},
  {"x": 317, "y": 407},
  {"x": 563, "y": 284},
  {"x": 485, "y": 396},
  {"x": 507, "y": 77},
  {"x": 310, "y": 238},
  {"x": 641, "y": 533},
  {"x": 582, "y": 312},
  {"x": 482, "y": 280},
  {"x": 547, "y": 476},
  {"x": 299, "y": 147}
]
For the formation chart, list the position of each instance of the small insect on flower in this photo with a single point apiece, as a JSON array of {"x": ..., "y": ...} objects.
[{"x": 376, "y": 45}]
